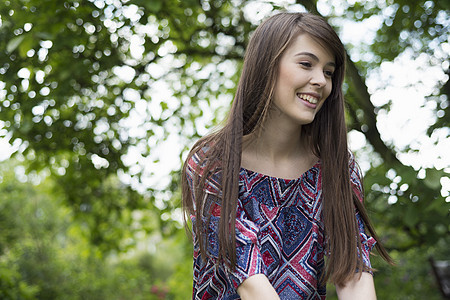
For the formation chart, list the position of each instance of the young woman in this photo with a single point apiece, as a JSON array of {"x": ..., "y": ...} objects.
[{"x": 275, "y": 196}]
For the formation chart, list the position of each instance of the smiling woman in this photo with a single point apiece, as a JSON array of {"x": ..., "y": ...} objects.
[
  {"x": 276, "y": 189},
  {"x": 304, "y": 80}
]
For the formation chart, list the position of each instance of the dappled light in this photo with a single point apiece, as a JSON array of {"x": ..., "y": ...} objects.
[{"x": 100, "y": 101}]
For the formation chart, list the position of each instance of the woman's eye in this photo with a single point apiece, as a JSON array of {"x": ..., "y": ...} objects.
[
  {"x": 306, "y": 64},
  {"x": 329, "y": 73}
]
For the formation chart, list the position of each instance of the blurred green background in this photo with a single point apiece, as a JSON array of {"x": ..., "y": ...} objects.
[{"x": 100, "y": 101}]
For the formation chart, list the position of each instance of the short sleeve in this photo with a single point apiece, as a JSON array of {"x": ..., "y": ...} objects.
[
  {"x": 194, "y": 168},
  {"x": 367, "y": 242},
  {"x": 355, "y": 178},
  {"x": 249, "y": 260}
]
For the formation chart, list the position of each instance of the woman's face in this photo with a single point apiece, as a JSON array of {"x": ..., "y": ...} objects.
[{"x": 303, "y": 82}]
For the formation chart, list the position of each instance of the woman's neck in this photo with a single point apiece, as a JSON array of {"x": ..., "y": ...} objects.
[
  {"x": 278, "y": 137},
  {"x": 274, "y": 143},
  {"x": 277, "y": 150}
]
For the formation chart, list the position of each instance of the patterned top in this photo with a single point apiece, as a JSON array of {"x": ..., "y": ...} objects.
[{"x": 279, "y": 232}]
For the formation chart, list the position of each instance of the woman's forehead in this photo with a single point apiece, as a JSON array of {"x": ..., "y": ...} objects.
[{"x": 306, "y": 44}]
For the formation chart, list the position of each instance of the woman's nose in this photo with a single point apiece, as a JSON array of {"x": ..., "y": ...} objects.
[{"x": 318, "y": 78}]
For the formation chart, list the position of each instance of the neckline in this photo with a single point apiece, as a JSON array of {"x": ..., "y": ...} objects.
[{"x": 280, "y": 178}]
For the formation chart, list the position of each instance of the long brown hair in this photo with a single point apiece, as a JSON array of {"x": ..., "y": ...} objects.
[{"x": 222, "y": 150}]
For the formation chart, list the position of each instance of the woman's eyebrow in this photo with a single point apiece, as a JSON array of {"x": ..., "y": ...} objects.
[{"x": 314, "y": 57}]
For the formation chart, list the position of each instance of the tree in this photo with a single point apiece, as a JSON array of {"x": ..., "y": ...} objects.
[
  {"x": 75, "y": 72},
  {"x": 44, "y": 254},
  {"x": 64, "y": 104}
]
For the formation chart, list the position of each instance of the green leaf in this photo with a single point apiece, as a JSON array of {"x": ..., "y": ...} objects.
[
  {"x": 153, "y": 6},
  {"x": 44, "y": 35},
  {"x": 411, "y": 216},
  {"x": 433, "y": 177},
  {"x": 26, "y": 45},
  {"x": 14, "y": 43}
]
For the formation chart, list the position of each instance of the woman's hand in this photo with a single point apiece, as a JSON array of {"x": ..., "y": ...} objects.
[
  {"x": 257, "y": 287},
  {"x": 358, "y": 288}
]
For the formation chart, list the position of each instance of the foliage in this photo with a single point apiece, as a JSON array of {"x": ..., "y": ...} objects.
[
  {"x": 12, "y": 285},
  {"x": 413, "y": 273},
  {"x": 91, "y": 90},
  {"x": 64, "y": 103},
  {"x": 52, "y": 259}
]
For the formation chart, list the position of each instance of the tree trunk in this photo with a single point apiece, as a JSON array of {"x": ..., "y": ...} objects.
[{"x": 362, "y": 101}]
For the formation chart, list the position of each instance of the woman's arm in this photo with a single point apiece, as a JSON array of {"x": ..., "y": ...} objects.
[
  {"x": 358, "y": 288},
  {"x": 257, "y": 287}
]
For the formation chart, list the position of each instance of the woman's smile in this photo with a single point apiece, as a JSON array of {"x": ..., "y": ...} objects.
[{"x": 304, "y": 80}]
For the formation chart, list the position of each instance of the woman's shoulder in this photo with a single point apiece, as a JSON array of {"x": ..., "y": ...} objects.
[
  {"x": 355, "y": 171},
  {"x": 203, "y": 166},
  {"x": 200, "y": 157},
  {"x": 356, "y": 177}
]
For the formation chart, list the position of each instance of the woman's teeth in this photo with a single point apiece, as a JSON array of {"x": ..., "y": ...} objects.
[{"x": 310, "y": 99}]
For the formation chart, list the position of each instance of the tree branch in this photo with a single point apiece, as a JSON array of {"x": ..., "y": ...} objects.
[
  {"x": 362, "y": 101},
  {"x": 310, "y": 5}
]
